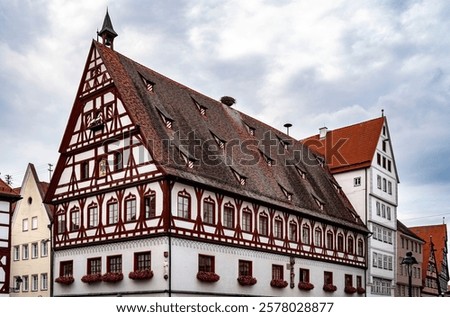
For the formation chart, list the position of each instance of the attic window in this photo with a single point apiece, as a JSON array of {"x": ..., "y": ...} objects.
[
  {"x": 319, "y": 202},
  {"x": 320, "y": 160},
  {"x": 250, "y": 129},
  {"x": 283, "y": 143},
  {"x": 286, "y": 193},
  {"x": 301, "y": 172},
  {"x": 167, "y": 121},
  {"x": 187, "y": 159},
  {"x": 201, "y": 109},
  {"x": 148, "y": 84},
  {"x": 241, "y": 179},
  {"x": 220, "y": 142},
  {"x": 269, "y": 161}
]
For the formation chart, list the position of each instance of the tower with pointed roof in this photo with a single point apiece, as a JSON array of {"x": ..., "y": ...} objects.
[{"x": 107, "y": 32}]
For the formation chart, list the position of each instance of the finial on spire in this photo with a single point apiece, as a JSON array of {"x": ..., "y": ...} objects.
[
  {"x": 382, "y": 112},
  {"x": 107, "y": 32}
]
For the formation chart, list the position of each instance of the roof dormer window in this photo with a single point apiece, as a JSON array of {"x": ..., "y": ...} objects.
[
  {"x": 148, "y": 84},
  {"x": 286, "y": 193},
  {"x": 319, "y": 202},
  {"x": 301, "y": 172},
  {"x": 168, "y": 122},
  {"x": 284, "y": 143},
  {"x": 200, "y": 108},
  {"x": 219, "y": 141},
  {"x": 187, "y": 159},
  {"x": 250, "y": 129},
  {"x": 269, "y": 161},
  {"x": 241, "y": 179}
]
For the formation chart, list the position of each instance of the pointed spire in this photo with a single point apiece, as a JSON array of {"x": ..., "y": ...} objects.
[{"x": 107, "y": 32}]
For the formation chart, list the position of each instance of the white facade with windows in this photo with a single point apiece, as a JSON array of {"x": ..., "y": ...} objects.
[
  {"x": 373, "y": 193},
  {"x": 31, "y": 245}
]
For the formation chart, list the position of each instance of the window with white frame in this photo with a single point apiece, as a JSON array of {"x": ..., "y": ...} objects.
[
  {"x": 25, "y": 283},
  {"x": 44, "y": 281},
  {"x": 34, "y": 223},
  {"x": 208, "y": 211},
  {"x": 25, "y": 252},
  {"x": 34, "y": 283},
  {"x": 381, "y": 286},
  {"x": 25, "y": 224},
  {"x": 74, "y": 219},
  {"x": 278, "y": 228},
  {"x": 113, "y": 212},
  {"x": 92, "y": 216},
  {"x": 34, "y": 250},
  {"x": 130, "y": 208},
  {"x": 292, "y": 231},
  {"x": 247, "y": 220},
  {"x": 44, "y": 248},
  {"x": 16, "y": 253},
  {"x": 263, "y": 224},
  {"x": 228, "y": 216},
  {"x": 318, "y": 237},
  {"x": 184, "y": 205},
  {"x": 306, "y": 234}
]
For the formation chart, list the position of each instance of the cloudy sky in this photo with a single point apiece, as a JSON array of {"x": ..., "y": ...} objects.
[{"x": 311, "y": 63}]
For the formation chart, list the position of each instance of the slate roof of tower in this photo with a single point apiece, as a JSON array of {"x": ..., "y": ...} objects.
[{"x": 192, "y": 135}]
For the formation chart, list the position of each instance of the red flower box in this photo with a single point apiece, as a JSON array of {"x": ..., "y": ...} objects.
[
  {"x": 350, "y": 290},
  {"x": 246, "y": 280},
  {"x": 112, "y": 277},
  {"x": 360, "y": 290},
  {"x": 329, "y": 288},
  {"x": 66, "y": 280},
  {"x": 306, "y": 286},
  {"x": 141, "y": 275},
  {"x": 209, "y": 277},
  {"x": 278, "y": 283},
  {"x": 91, "y": 278}
]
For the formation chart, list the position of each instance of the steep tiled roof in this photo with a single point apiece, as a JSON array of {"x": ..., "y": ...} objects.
[
  {"x": 438, "y": 235},
  {"x": 7, "y": 193},
  {"x": 249, "y": 145},
  {"x": 348, "y": 148}
]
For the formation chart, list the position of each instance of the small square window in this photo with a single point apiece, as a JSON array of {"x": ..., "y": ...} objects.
[{"x": 357, "y": 181}]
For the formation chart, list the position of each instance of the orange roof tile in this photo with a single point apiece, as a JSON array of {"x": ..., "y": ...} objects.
[
  {"x": 438, "y": 235},
  {"x": 7, "y": 192},
  {"x": 348, "y": 148}
]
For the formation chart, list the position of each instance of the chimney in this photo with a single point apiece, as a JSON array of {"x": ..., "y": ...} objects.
[{"x": 323, "y": 132}]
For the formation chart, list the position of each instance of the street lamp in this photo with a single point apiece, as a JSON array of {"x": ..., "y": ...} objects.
[{"x": 409, "y": 261}]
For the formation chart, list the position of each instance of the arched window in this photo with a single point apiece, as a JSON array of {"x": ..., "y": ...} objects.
[
  {"x": 130, "y": 208},
  {"x": 293, "y": 231},
  {"x": 330, "y": 240},
  {"x": 228, "y": 216},
  {"x": 209, "y": 209},
  {"x": 318, "y": 237},
  {"x": 350, "y": 248},
  {"x": 184, "y": 205},
  {"x": 340, "y": 242},
  {"x": 305, "y": 234},
  {"x": 263, "y": 224},
  {"x": 360, "y": 247},
  {"x": 278, "y": 228},
  {"x": 247, "y": 220},
  {"x": 150, "y": 205}
]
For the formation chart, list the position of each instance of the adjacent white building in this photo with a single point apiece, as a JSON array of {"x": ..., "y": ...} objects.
[
  {"x": 30, "y": 239},
  {"x": 361, "y": 158}
]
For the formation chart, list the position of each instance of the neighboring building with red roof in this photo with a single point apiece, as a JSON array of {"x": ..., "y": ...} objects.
[
  {"x": 158, "y": 182},
  {"x": 408, "y": 241},
  {"x": 435, "y": 253},
  {"x": 30, "y": 242},
  {"x": 8, "y": 197},
  {"x": 361, "y": 158}
]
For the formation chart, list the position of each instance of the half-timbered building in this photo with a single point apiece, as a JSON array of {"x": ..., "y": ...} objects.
[
  {"x": 160, "y": 190},
  {"x": 8, "y": 197}
]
